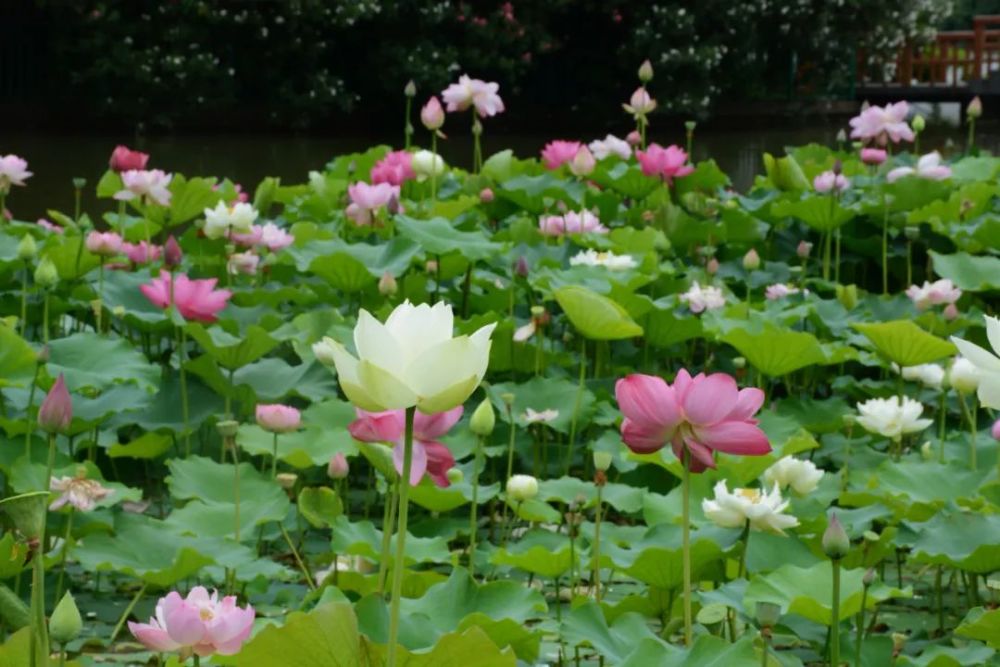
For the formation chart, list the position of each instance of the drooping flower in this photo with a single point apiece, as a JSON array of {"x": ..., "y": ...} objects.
[
  {"x": 640, "y": 104},
  {"x": 432, "y": 114},
  {"x": 78, "y": 491},
  {"x": 195, "y": 299},
  {"x": 559, "y": 152},
  {"x": 13, "y": 171},
  {"x": 199, "y": 623},
  {"x": 395, "y": 168},
  {"x": 929, "y": 375},
  {"x": 762, "y": 510},
  {"x": 224, "y": 220},
  {"x": 56, "y": 411},
  {"x": 468, "y": 92},
  {"x": 430, "y": 456},
  {"x": 124, "y": 158},
  {"x": 367, "y": 199},
  {"x": 881, "y": 124},
  {"x": 277, "y": 418},
  {"x": 700, "y": 299},
  {"x": 667, "y": 163},
  {"x": 608, "y": 260},
  {"x": 779, "y": 291},
  {"x": 696, "y": 415},
  {"x": 411, "y": 360},
  {"x": 935, "y": 293},
  {"x": 610, "y": 145},
  {"x": 146, "y": 185},
  {"x": 141, "y": 252},
  {"x": 105, "y": 244},
  {"x": 800, "y": 474},
  {"x": 829, "y": 181},
  {"x": 892, "y": 417},
  {"x": 987, "y": 363},
  {"x": 928, "y": 166}
]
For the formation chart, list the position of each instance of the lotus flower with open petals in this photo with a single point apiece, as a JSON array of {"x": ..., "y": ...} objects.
[
  {"x": 430, "y": 457},
  {"x": 195, "y": 299},
  {"x": 200, "y": 624}
]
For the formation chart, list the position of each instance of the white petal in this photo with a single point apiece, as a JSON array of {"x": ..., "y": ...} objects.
[
  {"x": 377, "y": 345},
  {"x": 989, "y": 391},
  {"x": 981, "y": 358},
  {"x": 993, "y": 332},
  {"x": 385, "y": 390},
  {"x": 417, "y": 328},
  {"x": 347, "y": 375}
]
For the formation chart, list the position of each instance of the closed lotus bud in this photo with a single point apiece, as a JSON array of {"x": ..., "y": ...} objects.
[
  {"x": 995, "y": 430},
  {"x": 426, "y": 164},
  {"x": 964, "y": 376},
  {"x": 387, "y": 285},
  {"x": 646, "y": 71},
  {"x": 751, "y": 260},
  {"x": 338, "y": 468},
  {"x": 803, "y": 249},
  {"x": 483, "y": 419},
  {"x": 521, "y": 267},
  {"x": 918, "y": 123},
  {"x": 602, "y": 461},
  {"x": 454, "y": 475},
  {"x": 768, "y": 614},
  {"x": 521, "y": 488},
  {"x": 227, "y": 428},
  {"x": 432, "y": 114},
  {"x": 56, "y": 411},
  {"x": 869, "y": 577},
  {"x": 690, "y": 125},
  {"x": 926, "y": 452},
  {"x": 392, "y": 206},
  {"x": 836, "y": 544},
  {"x": 950, "y": 312},
  {"x": 739, "y": 362},
  {"x": 287, "y": 480},
  {"x": 712, "y": 266},
  {"x": 975, "y": 108},
  {"x": 847, "y": 295},
  {"x": 583, "y": 162},
  {"x": 65, "y": 624},
  {"x": 841, "y": 135},
  {"x": 633, "y": 138},
  {"x": 27, "y": 248},
  {"x": 838, "y": 167},
  {"x": 172, "y": 254},
  {"x": 410, "y": 89},
  {"x": 46, "y": 274},
  {"x": 486, "y": 195}
]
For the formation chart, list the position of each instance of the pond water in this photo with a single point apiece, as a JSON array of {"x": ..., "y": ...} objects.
[{"x": 247, "y": 158}]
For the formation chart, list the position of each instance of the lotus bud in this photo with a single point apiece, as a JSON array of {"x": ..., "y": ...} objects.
[
  {"x": 432, "y": 114},
  {"x": 227, "y": 428},
  {"x": 869, "y": 577},
  {"x": 841, "y": 136},
  {"x": 918, "y": 123},
  {"x": 455, "y": 475},
  {"x": 690, "y": 125},
  {"x": 410, "y": 89},
  {"x": 27, "y": 248},
  {"x": 287, "y": 480},
  {"x": 964, "y": 376},
  {"x": 739, "y": 363},
  {"x": 486, "y": 195},
  {"x": 646, "y": 71},
  {"x": 768, "y": 614},
  {"x": 521, "y": 488},
  {"x": 65, "y": 624},
  {"x": 427, "y": 164},
  {"x": 602, "y": 461},
  {"x": 803, "y": 249},
  {"x": 521, "y": 268},
  {"x": 477, "y": 127},
  {"x": 56, "y": 411},
  {"x": 751, "y": 260},
  {"x": 926, "y": 452},
  {"x": 712, "y": 266},
  {"x": 865, "y": 105},
  {"x": 950, "y": 312},
  {"x": 873, "y": 156},
  {"x": 392, "y": 207},
  {"x": 46, "y": 275},
  {"x": 838, "y": 167},
  {"x": 431, "y": 266},
  {"x": 42, "y": 357},
  {"x": 387, "y": 285},
  {"x": 633, "y": 138},
  {"x": 975, "y": 108},
  {"x": 583, "y": 162},
  {"x": 836, "y": 544},
  {"x": 483, "y": 419},
  {"x": 898, "y": 642},
  {"x": 338, "y": 468},
  {"x": 995, "y": 430},
  {"x": 847, "y": 295},
  {"x": 912, "y": 232},
  {"x": 172, "y": 254}
]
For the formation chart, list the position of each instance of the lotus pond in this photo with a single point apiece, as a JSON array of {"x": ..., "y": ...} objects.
[{"x": 592, "y": 408}]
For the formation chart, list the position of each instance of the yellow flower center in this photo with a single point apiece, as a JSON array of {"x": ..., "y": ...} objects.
[{"x": 753, "y": 495}]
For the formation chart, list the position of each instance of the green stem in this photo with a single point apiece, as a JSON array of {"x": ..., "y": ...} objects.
[
  {"x": 972, "y": 136},
  {"x": 941, "y": 424},
  {"x": 836, "y": 257},
  {"x": 45, "y": 318},
  {"x": 274, "y": 457},
  {"x": 49, "y": 465},
  {"x": 39, "y": 631},
  {"x": 24, "y": 301},
  {"x": 909, "y": 262},
  {"x": 474, "y": 509},
  {"x": 686, "y": 543},
  {"x": 861, "y": 627},
  {"x": 576, "y": 404},
  {"x": 236, "y": 483},
  {"x": 185, "y": 404},
  {"x": 595, "y": 579},
  {"x": 67, "y": 536},
  {"x": 434, "y": 150},
  {"x": 940, "y": 599},
  {"x": 29, "y": 426},
  {"x": 298, "y": 559},
  {"x": 127, "y": 613},
  {"x": 389, "y": 518},
  {"x": 835, "y": 617},
  {"x": 970, "y": 417},
  {"x": 400, "y": 563},
  {"x": 885, "y": 245},
  {"x": 406, "y": 123}
]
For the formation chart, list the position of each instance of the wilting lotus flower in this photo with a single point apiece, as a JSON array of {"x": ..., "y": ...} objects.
[
  {"x": 432, "y": 114},
  {"x": 56, "y": 411},
  {"x": 395, "y": 168},
  {"x": 987, "y": 363},
  {"x": 366, "y": 199},
  {"x": 473, "y": 93},
  {"x": 928, "y": 166},
  {"x": 141, "y": 252},
  {"x": 779, "y": 291},
  {"x": 125, "y": 159},
  {"x": 802, "y": 475},
  {"x": 880, "y": 124},
  {"x": 610, "y": 145},
  {"x": 929, "y": 375},
  {"x": 608, "y": 260},
  {"x": 13, "y": 171},
  {"x": 934, "y": 293},
  {"x": 762, "y": 510},
  {"x": 891, "y": 417},
  {"x": 829, "y": 181},
  {"x": 105, "y": 244},
  {"x": 700, "y": 299},
  {"x": 78, "y": 491},
  {"x": 224, "y": 220},
  {"x": 559, "y": 152},
  {"x": 873, "y": 156},
  {"x": 195, "y": 299},
  {"x": 198, "y": 624},
  {"x": 243, "y": 262},
  {"x": 146, "y": 185},
  {"x": 696, "y": 415},
  {"x": 667, "y": 163},
  {"x": 277, "y": 418},
  {"x": 411, "y": 360},
  {"x": 429, "y": 455},
  {"x": 641, "y": 104}
]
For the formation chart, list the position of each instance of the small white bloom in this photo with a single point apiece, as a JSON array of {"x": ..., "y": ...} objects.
[
  {"x": 763, "y": 510},
  {"x": 610, "y": 145},
  {"x": 963, "y": 375},
  {"x": 891, "y": 417},
  {"x": 803, "y": 476},
  {"x": 608, "y": 260},
  {"x": 522, "y": 487},
  {"x": 426, "y": 164},
  {"x": 545, "y": 416},
  {"x": 700, "y": 299},
  {"x": 929, "y": 375},
  {"x": 224, "y": 220},
  {"x": 985, "y": 362}
]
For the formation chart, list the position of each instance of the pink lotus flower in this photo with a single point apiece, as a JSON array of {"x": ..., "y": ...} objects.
[
  {"x": 934, "y": 293},
  {"x": 873, "y": 156},
  {"x": 274, "y": 238},
  {"x": 13, "y": 171},
  {"x": 338, "y": 468},
  {"x": 429, "y": 455},
  {"x": 995, "y": 430},
  {"x": 243, "y": 262},
  {"x": 125, "y": 159},
  {"x": 148, "y": 186},
  {"x": 432, "y": 114},
  {"x": 559, "y": 152},
  {"x": 697, "y": 416},
  {"x": 199, "y": 623},
  {"x": 928, "y": 166},
  {"x": 633, "y": 138},
  {"x": 195, "y": 299},
  {"x": 80, "y": 492},
  {"x": 640, "y": 104},
  {"x": 250, "y": 239},
  {"x": 880, "y": 124},
  {"x": 104, "y": 243},
  {"x": 779, "y": 291},
  {"x": 46, "y": 225},
  {"x": 583, "y": 222},
  {"x": 473, "y": 93},
  {"x": 828, "y": 181},
  {"x": 395, "y": 168},
  {"x": 366, "y": 199},
  {"x": 141, "y": 252},
  {"x": 610, "y": 145},
  {"x": 950, "y": 312},
  {"x": 278, "y": 418},
  {"x": 667, "y": 163},
  {"x": 56, "y": 411}
]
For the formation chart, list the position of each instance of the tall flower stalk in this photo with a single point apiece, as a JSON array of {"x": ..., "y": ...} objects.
[{"x": 400, "y": 562}]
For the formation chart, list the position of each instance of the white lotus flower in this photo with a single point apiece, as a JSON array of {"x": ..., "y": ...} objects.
[
  {"x": 608, "y": 260},
  {"x": 700, "y": 299},
  {"x": 891, "y": 417},
  {"x": 224, "y": 220},
  {"x": 411, "y": 360},
  {"x": 987, "y": 363},
  {"x": 803, "y": 476},
  {"x": 426, "y": 164},
  {"x": 610, "y": 145},
  {"x": 929, "y": 375},
  {"x": 763, "y": 510},
  {"x": 531, "y": 416},
  {"x": 963, "y": 376}
]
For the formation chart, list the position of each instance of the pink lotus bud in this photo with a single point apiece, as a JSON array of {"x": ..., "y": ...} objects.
[
  {"x": 105, "y": 244},
  {"x": 712, "y": 266},
  {"x": 486, "y": 195},
  {"x": 387, "y": 285},
  {"x": 950, "y": 312},
  {"x": 633, "y": 138},
  {"x": 521, "y": 267},
  {"x": 56, "y": 412},
  {"x": 873, "y": 156},
  {"x": 278, "y": 418},
  {"x": 995, "y": 430},
  {"x": 803, "y": 249},
  {"x": 338, "y": 468},
  {"x": 583, "y": 162},
  {"x": 751, "y": 260},
  {"x": 975, "y": 108},
  {"x": 125, "y": 159},
  {"x": 172, "y": 254},
  {"x": 432, "y": 114}
]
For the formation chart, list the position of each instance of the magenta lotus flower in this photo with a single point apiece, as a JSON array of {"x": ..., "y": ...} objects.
[
  {"x": 195, "y": 299},
  {"x": 124, "y": 158},
  {"x": 874, "y": 156},
  {"x": 277, "y": 418},
  {"x": 667, "y": 163},
  {"x": 476, "y": 93},
  {"x": 147, "y": 186},
  {"x": 199, "y": 624},
  {"x": 696, "y": 415},
  {"x": 142, "y": 252},
  {"x": 432, "y": 114},
  {"x": 559, "y": 152},
  {"x": 829, "y": 181},
  {"x": 13, "y": 171},
  {"x": 395, "y": 168},
  {"x": 429, "y": 455},
  {"x": 56, "y": 411},
  {"x": 879, "y": 125},
  {"x": 367, "y": 199},
  {"x": 105, "y": 244}
]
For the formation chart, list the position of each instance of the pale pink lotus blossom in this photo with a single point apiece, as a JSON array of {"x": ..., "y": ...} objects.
[
  {"x": 367, "y": 199},
  {"x": 13, "y": 171},
  {"x": 48, "y": 226},
  {"x": 429, "y": 455},
  {"x": 243, "y": 262},
  {"x": 995, "y": 430},
  {"x": 476, "y": 93},
  {"x": 278, "y": 418},
  {"x": 829, "y": 181},
  {"x": 141, "y": 252},
  {"x": 199, "y": 623},
  {"x": 610, "y": 145},
  {"x": 696, "y": 415},
  {"x": 395, "y": 168},
  {"x": 106, "y": 244},
  {"x": 640, "y": 104},
  {"x": 935, "y": 293},
  {"x": 700, "y": 299},
  {"x": 874, "y": 156},
  {"x": 249, "y": 239},
  {"x": 667, "y": 163},
  {"x": 80, "y": 492},
  {"x": 583, "y": 163},
  {"x": 559, "y": 152},
  {"x": 195, "y": 299},
  {"x": 145, "y": 185},
  {"x": 950, "y": 312},
  {"x": 532, "y": 416},
  {"x": 270, "y": 236},
  {"x": 124, "y": 158},
  {"x": 779, "y": 291},
  {"x": 432, "y": 114},
  {"x": 928, "y": 166},
  {"x": 882, "y": 124},
  {"x": 572, "y": 222}
]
